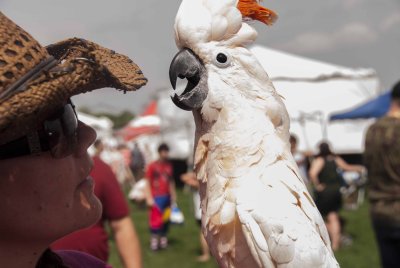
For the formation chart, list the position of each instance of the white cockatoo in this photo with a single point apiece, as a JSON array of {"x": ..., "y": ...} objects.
[{"x": 256, "y": 210}]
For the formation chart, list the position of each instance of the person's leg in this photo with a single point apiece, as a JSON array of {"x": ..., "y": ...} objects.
[
  {"x": 205, "y": 256},
  {"x": 345, "y": 238},
  {"x": 154, "y": 242},
  {"x": 163, "y": 235},
  {"x": 163, "y": 239},
  {"x": 155, "y": 222},
  {"x": 328, "y": 228},
  {"x": 333, "y": 227},
  {"x": 389, "y": 245},
  {"x": 163, "y": 242}
]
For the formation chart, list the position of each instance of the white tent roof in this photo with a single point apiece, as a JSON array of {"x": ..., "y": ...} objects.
[
  {"x": 103, "y": 122},
  {"x": 284, "y": 66},
  {"x": 102, "y": 125},
  {"x": 312, "y": 90},
  {"x": 144, "y": 121}
]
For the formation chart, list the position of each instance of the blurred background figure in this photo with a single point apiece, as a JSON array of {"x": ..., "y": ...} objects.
[
  {"x": 190, "y": 179},
  {"x": 137, "y": 163},
  {"x": 382, "y": 159},
  {"x": 159, "y": 196},
  {"x": 125, "y": 175},
  {"x": 138, "y": 183},
  {"x": 112, "y": 156},
  {"x": 94, "y": 240},
  {"x": 301, "y": 159},
  {"x": 327, "y": 180},
  {"x": 138, "y": 192}
]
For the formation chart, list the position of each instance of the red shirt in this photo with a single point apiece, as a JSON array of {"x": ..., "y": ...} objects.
[
  {"x": 94, "y": 240},
  {"x": 159, "y": 174}
]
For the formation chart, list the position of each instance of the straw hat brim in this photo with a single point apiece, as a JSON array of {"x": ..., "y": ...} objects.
[{"x": 82, "y": 66}]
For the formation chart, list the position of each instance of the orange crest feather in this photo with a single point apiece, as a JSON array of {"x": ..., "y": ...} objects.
[{"x": 251, "y": 9}]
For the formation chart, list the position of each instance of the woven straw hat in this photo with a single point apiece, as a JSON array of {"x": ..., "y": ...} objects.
[{"x": 35, "y": 81}]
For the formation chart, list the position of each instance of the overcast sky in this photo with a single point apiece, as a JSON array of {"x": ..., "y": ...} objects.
[{"x": 353, "y": 33}]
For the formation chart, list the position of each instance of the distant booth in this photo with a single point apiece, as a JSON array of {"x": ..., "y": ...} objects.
[
  {"x": 374, "y": 108},
  {"x": 144, "y": 130}
]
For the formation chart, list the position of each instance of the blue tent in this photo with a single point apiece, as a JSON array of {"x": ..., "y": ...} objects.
[{"x": 374, "y": 108}]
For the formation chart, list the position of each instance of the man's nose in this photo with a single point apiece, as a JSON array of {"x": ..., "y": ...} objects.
[{"x": 86, "y": 136}]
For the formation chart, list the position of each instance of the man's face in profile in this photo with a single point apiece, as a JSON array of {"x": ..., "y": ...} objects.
[{"x": 164, "y": 154}]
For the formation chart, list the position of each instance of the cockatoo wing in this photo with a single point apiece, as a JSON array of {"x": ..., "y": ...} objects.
[{"x": 281, "y": 224}]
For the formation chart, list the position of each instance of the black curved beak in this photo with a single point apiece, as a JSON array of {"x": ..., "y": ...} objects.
[{"x": 187, "y": 65}]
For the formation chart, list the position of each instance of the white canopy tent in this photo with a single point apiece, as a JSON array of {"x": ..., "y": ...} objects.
[
  {"x": 312, "y": 90},
  {"x": 102, "y": 125},
  {"x": 144, "y": 130}
]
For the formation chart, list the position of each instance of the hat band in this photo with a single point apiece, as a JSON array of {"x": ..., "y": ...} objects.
[{"x": 20, "y": 84}]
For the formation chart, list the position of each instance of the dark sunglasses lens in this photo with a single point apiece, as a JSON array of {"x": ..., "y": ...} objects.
[{"x": 62, "y": 132}]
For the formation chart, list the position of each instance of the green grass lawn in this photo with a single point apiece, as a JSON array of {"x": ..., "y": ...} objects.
[
  {"x": 364, "y": 251},
  {"x": 184, "y": 241}
]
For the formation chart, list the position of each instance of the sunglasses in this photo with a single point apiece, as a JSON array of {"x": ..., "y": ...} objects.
[{"x": 57, "y": 134}]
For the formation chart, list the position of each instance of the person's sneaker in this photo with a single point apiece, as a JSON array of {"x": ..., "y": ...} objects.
[
  {"x": 163, "y": 242},
  {"x": 346, "y": 240},
  {"x": 154, "y": 244}
]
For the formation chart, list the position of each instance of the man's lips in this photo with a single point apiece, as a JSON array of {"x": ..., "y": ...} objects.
[{"x": 87, "y": 181}]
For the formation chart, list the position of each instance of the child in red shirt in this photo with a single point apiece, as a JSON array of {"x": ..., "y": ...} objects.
[{"x": 160, "y": 194}]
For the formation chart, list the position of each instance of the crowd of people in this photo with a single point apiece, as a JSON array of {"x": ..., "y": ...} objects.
[
  {"x": 48, "y": 179},
  {"x": 321, "y": 172}
]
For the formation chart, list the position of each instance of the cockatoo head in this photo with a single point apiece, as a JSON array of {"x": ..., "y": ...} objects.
[{"x": 212, "y": 35}]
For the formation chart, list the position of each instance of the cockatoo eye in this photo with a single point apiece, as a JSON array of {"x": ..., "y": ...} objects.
[{"x": 222, "y": 60}]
